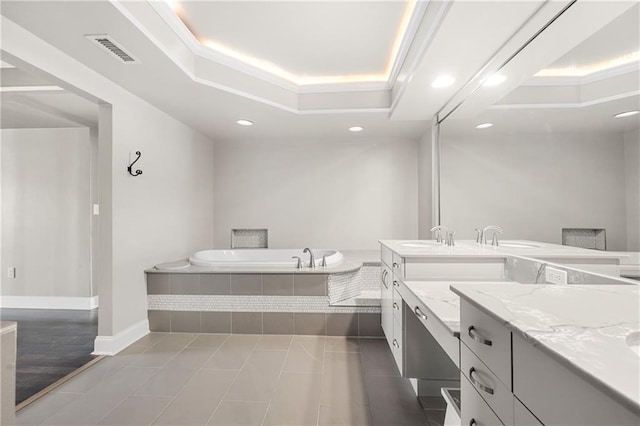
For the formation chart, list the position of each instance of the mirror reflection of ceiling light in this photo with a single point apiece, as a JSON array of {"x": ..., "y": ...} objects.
[
  {"x": 494, "y": 80},
  {"x": 588, "y": 69},
  {"x": 626, "y": 114},
  {"x": 445, "y": 80},
  {"x": 304, "y": 80},
  {"x": 356, "y": 129},
  {"x": 244, "y": 122},
  {"x": 484, "y": 125}
]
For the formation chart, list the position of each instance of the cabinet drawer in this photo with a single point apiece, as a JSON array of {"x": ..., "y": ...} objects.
[
  {"x": 474, "y": 411},
  {"x": 522, "y": 416},
  {"x": 492, "y": 390},
  {"x": 397, "y": 264},
  {"x": 386, "y": 255},
  {"x": 488, "y": 339},
  {"x": 397, "y": 343},
  {"x": 397, "y": 306},
  {"x": 447, "y": 341},
  {"x": 386, "y": 303}
]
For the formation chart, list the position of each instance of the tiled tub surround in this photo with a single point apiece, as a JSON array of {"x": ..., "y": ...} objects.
[{"x": 321, "y": 301}]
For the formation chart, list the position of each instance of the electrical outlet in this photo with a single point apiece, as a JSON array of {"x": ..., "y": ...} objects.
[
  {"x": 555, "y": 276},
  {"x": 96, "y": 209},
  {"x": 11, "y": 272}
]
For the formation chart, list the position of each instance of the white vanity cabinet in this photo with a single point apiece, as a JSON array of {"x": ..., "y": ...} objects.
[
  {"x": 507, "y": 380},
  {"x": 417, "y": 354},
  {"x": 555, "y": 394},
  {"x": 386, "y": 301}
]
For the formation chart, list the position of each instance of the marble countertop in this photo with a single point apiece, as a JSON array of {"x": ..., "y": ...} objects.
[
  {"x": 583, "y": 327},
  {"x": 469, "y": 248},
  {"x": 438, "y": 298}
]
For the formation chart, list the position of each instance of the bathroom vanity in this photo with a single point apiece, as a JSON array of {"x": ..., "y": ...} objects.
[{"x": 525, "y": 352}]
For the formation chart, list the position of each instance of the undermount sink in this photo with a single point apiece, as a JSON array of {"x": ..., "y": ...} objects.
[
  {"x": 633, "y": 341},
  {"x": 517, "y": 245},
  {"x": 419, "y": 244}
]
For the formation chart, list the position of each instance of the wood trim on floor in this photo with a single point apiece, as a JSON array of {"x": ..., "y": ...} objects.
[{"x": 60, "y": 382}]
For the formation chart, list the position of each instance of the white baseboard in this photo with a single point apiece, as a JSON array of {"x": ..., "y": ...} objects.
[
  {"x": 49, "y": 302},
  {"x": 111, "y": 345}
]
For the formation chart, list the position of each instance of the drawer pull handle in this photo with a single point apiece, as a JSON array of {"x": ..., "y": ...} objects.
[
  {"x": 395, "y": 306},
  {"x": 395, "y": 265},
  {"x": 395, "y": 283},
  {"x": 384, "y": 279},
  {"x": 475, "y": 336},
  {"x": 395, "y": 343},
  {"x": 419, "y": 313},
  {"x": 473, "y": 422},
  {"x": 477, "y": 383}
]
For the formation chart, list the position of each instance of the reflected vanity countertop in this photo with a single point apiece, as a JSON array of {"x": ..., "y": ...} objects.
[
  {"x": 469, "y": 248},
  {"x": 584, "y": 327},
  {"x": 443, "y": 303},
  {"x": 352, "y": 261}
]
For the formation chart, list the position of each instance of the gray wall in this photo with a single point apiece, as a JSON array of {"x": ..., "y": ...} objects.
[
  {"x": 342, "y": 194},
  {"x": 164, "y": 214},
  {"x": 45, "y": 212},
  {"x": 632, "y": 182},
  {"x": 533, "y": 185}
]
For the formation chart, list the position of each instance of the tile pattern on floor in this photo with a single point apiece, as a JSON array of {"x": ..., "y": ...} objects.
[{"x": 207, "y": 379}]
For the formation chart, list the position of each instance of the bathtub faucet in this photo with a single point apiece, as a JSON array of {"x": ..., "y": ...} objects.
[
  {"x": 299, "y": 262},
  {"x": 312, "y": 259}
]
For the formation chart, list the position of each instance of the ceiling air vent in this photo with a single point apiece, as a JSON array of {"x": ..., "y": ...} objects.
[{"x": 107, "y": 42}]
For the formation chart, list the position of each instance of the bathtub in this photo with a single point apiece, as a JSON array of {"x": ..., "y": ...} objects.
[{"x": 262, "y": 257}]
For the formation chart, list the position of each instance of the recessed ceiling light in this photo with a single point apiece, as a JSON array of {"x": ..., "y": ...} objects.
[
  {"x": 356, "y": 129},
  {"x": 244, "y": 122},
  {"x": 626, "y": 114},
  {"x": 445, "y": 80},
  {"x": 494, "y": 80},
  {"x": 484, "y": 125}
]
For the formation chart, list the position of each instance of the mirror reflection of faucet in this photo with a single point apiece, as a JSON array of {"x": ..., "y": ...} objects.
[{"x": 481, "y": 235}]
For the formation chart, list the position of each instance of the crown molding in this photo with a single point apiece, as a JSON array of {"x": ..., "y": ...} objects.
[
  {"x": 256, "y": 80},
  {"x": 587, "y": 79},
  {"x": 568, "y": 104}
]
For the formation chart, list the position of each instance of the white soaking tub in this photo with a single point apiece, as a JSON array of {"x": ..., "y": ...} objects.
[{"x": 268, "y": 258}]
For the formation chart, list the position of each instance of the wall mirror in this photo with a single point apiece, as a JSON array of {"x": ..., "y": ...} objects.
[{"x": 540, "y": 147}]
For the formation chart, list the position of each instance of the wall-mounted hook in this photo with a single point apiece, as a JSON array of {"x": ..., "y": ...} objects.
[{"x": 138, "y": 172}]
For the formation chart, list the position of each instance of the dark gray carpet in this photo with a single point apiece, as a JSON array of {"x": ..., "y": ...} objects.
[{"x": 51, "y": 344}]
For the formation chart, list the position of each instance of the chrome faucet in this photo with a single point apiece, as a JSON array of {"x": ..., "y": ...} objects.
[
  {"x": 299, "y": 264},
  {"x": 324, "y": 260},
  {"x": 496, "y": 230},
  {"x": 479, "y": 235},
  {"x": 450, "y": 241},
  {"x": 438, "y": 230},
  {"x": 312, "y": 259}
]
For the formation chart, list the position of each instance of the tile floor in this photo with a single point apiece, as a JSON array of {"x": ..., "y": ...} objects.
[{"x": 214, "y": 379}]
